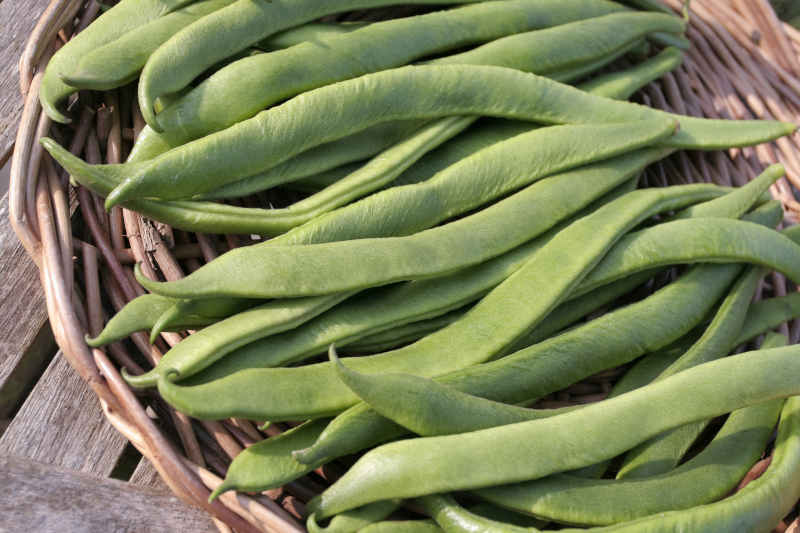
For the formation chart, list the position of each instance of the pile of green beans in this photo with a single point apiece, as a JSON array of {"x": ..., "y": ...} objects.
[{"x": 470, "y": 233}]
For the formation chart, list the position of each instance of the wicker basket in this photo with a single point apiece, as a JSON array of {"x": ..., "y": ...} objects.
[{"x": 743, "y": 64}]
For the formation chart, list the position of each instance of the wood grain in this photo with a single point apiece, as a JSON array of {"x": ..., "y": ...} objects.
[
  {"x": 26, "y": 343},
  {"x": 61, "y": 423},
  {"x": 146, "y": 475},
  {"x": 18, "y": 19},
  {"x": 46, "y": 499}
]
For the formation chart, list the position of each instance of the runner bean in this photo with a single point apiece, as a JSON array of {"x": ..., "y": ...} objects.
[
  {"x": 434, "y": 91},
  {"x": 199, "y": 46},
  {"x": 500, "y": 318},
  {"x": 529, "y": 450}
]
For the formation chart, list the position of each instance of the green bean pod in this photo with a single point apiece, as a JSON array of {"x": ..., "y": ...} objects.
[
  {"x": 706, "y": 240},
  {"x": 434, "y": 91},
  {"x": 216, "y": 218},
  {"x": 253, "y": 84},
  {"x": 402, "y": 526},
  {"x": 196, "y": 48},
  {"x": 620, "y": 84},
  {"x": 757, "y": 507},
  {"x": 263, "y": 320},
  {"x": 372, "y": 262},
  {"x": 400, "y": 335},
  {"x": 417, "y": 299},
  {"x": 380, "y": 171},
  {"x": 623, "y": 341},
  {"x": 119, "y": 62},
  {"x": 505, "y": 314},
  {"x": 513, "y": 52},
  {"x": 767, "y": 314},
  {"x": 355, "y": 520},
  {"x": 707, "y": 477},
  {"x": 292, "y": 130},
  {"x": 114, "y": 23},
  {"x": 530, "y": 450}
]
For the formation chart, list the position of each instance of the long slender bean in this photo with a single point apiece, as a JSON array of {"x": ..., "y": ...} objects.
[
  {"x": 705, "y": 478},
  {"x": 532, "y": 52},
  {"x": 500, "y": 318},
  {"x": 355, "y": 520},
  {"x": 373, "y": 262},
  {"x": 141, "y": 313},
  {"x": 416, "y": 299},
  {"x": 120, "y": 19},
  {"x": 116, "y": 63},
  {"x": 215, "y": 218},
  {"x": 253, "y": 84},
  {"x": 199, "y": 46},
  {"x": 534, "y": 449},
  {"x": 434, "y": 91}
]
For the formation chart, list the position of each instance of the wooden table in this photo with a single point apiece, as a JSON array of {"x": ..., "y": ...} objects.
[{"x": 63, "y": 467}]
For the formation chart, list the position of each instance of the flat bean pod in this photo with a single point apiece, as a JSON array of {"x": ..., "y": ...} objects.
[
  {"x": 621, "y": 85},
  {"x": 119, "y": 62},
  {"x": 513, "y": 52},
  {"x": 380, "y": 171},
  {"x": 505, "y": 314},
  {"x": 705, "y": 478},
  {"x": 612, "y": 339},
  {"x": 418, "y": 299},
  {"x": 143, "y": 312},
  {"x": 253, "y": 84},
  {"x": 400, "y": 335},
  {"x": 534, "y": 449},
  {"x": 199, "y": 46},
  {"x": 211, "y": 217},
  {"x": 292, "y": 271},
  {"x": 266, "y": 319},
  {"x": 434, "y": 91},
  {"x": 355, "y": 520},
  {"x": 701, "y": 240},
  {"x": 623, "y": 341},
  {"x": 112, "y": 24}
]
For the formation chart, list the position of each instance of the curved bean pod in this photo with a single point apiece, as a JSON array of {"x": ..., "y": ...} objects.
[
  {"x": 403, "y": 526},
  {"x": 355, "y": 520},
  {"x": 120, "y": 19},
  {"x": 418, "y": 299},
  {"x": 663, "y": 453},
  {"x": 505, "y": 314},
  {"x": 360, "y": 427},
  {"x": 143, "y": 312},
  {"x": 613, "y": 339},
  {"x": 535, "y": 449},
  {"x": 621, "y": 85},
  {"x": 702, "y": 240},
  {"x": 199, "y": 46},
  {"x": 371, "y": 262},
  {"x": 707, "y": 477},
  {"x": 380, "y": 171},
  {"x": 400, "y": 335},
  {"x": 266, "y": 319},
  {"x": 119, "y": 62},
  {"x": 253, "y": 84},
  {"x": 438, "y": 90},
  {"x": 767, "y": 314},
  {"x": 513, "y": 52}
]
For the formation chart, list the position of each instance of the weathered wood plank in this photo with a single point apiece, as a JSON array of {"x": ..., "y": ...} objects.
[
  {"x": 61, "y": 423},
  {"x": 45, "y": 499},
  {"x": 146, "y": 475},
  {"x": 18, "y": 19},
  {"x": 26, "y": 343}
]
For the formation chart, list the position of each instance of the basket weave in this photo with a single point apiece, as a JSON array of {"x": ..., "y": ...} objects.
[{"x": 743, "y": 64}]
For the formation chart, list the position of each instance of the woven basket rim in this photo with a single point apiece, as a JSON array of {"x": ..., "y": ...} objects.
[{"x": 39, "y": 214}]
